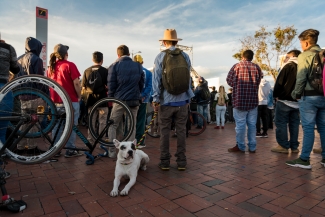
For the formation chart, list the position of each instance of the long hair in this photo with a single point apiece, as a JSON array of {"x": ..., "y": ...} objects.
[
  {"x": 221, "y": 99},
  {"x": 52, "y": 61}
]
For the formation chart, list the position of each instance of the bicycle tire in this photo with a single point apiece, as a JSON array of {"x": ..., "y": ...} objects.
[
  {"x": 46, "y": 147},
  {"x": 127, "y": 124},
  {"x": 204, "y": 124},
  {"x": 151, "y": 132}
]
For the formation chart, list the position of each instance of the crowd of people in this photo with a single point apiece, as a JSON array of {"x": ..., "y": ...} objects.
[{"x": 169, "y": 89}]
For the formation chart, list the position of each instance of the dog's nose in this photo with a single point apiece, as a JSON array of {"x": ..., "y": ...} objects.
[{"x": 130, "y": 152}]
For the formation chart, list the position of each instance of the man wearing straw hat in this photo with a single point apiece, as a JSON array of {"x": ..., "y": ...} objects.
[{"x": 171, "y": 97}]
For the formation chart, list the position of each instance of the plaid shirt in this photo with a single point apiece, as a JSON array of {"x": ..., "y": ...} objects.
[{"x": 245, "y": 77}]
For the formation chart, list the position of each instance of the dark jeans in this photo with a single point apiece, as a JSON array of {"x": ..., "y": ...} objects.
[
  {"x": 180, "y": 114},
  {"x": 141, "y": 122},
  {"x": 287, "y": 116},
  {"x": 262, "y": 114},
  {"x": 230, "y": 113}
]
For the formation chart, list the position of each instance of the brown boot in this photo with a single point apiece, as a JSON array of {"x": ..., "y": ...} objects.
[{"x": 280, "y": 149}]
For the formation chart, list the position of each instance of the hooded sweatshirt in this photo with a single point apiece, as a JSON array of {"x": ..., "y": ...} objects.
[
  {"x": 30, "y": 61},
  {"x": 202, "y": 86},
  {"x": 263, "y": 92}
]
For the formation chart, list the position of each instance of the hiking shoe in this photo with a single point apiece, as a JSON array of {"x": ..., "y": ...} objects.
[
  {"x": 141, "y": 146},
  {"x": 7, "y": 175},
  {"x": 235, "y": 149},
  {"x": 299, "y": 163},
  {"x": 295, "y": 150},
  {"x": 163, "y": 167},
  {"x": 181, "y": 168},
  {"x": 264, "y": 135},
  {"x": 222, "y": 127},
  {"x": 72, "y": 154},
  {"x": 216, "y": 127},
  {"x": 323, "y": 162},
  {"x": 317, "y": 150},
  {"x": 259, "y": 135},
  {"x": 252, "y": 152},
  {"x": 280, "y": 149}
]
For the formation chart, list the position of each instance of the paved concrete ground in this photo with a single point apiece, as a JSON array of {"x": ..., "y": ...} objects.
[{"x": 216, "y": 183}]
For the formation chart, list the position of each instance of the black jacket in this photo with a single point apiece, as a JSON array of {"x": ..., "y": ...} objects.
[{"x": 285, "y": 82}]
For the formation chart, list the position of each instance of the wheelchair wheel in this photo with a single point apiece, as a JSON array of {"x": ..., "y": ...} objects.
[
  {"x": 196, "y": 123},
  {"x": 29, "y": 115}
]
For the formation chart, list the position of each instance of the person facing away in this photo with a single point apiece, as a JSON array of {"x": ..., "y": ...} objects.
[
  {"x": 244, "y": 77},
  {"x": 31, "y": 64},
  {"x": 202, "y": 101},
  {"x": 101, "y": 112},
  {"x": 311, "y": 102},
  {"x": 67, "y": 75},
  {"x": 213, "y": 104},
  {"x": 229, "y": 106},
  {"x": 145, "y": 96},
  {"x": 171, "y": 105},
  {"x": 125, "y": 82},
  {"x": 287, "y": 108},
  {"x": 222, "y": 99},
  {"x": 262, "y": 112}
]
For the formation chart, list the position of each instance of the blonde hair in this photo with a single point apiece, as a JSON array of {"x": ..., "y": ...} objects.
[{"x": 221, "y": 99}]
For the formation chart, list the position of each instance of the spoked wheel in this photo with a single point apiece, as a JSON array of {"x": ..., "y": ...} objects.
[
  {"x": 196, "y": 124},
  {"x": 154, "y": 130},
  {"x": 33, "y": 118},
  {"x": 118, "y": 122}
]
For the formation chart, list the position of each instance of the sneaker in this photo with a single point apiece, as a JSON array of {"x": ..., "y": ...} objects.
[
  {"x": 259, "y": 135},
  {"x": 295, "y": 150},
  {"x": 280, "y": 149},
  {"x": 299, "y": 163},
  {"x": 7, "y": 175},
  {"x": 222, "y": 127},
  {"x": 216, "y": 127},
  {"x": 163, "y": 167},
  {"x": 264, "y": 135},
  {"x": 317, "y": 150},
  {"x": 141, "y": 146},
  {"x": 235, "y": 149},
  {"x": 252, "y": 152},
  {"x": 72, "y": 154},
  {"x": 323, "y": 162},
  {"x": 181, "y": 168}
]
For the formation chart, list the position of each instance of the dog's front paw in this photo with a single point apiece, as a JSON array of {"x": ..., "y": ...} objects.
[
  {"x": 124, "y": 192},
  {"x": 114, "y": 193},
  {"x": 144, "y": 167}
]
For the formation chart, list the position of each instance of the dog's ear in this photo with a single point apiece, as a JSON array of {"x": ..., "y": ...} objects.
[
  {"x": 116, "y": 143},
  {"x": 134, "y": 144}
]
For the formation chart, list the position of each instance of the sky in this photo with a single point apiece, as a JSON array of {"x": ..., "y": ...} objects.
[{"x": 212, "y": 27}]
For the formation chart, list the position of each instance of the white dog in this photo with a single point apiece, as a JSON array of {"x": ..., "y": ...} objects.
[{"x": 129, "y": 160}]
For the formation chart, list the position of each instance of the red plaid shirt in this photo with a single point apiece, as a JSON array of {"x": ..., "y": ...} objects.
[{"x": 245, "y": 77}]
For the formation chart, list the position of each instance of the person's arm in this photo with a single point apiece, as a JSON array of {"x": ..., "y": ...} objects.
[
  {"x": 280, "y": 81},
  {"x": 142, "y": 79},
  {"x": 148, "y": 87},
  {"x": 15, "y": 68},
  {"x": 156, "y": 78},
  {"x": 111, "y": 80},
  {"x": 301, "y": 80},
  {"x": 77, "y": 87},
  {"x": 230, "y": 76}
]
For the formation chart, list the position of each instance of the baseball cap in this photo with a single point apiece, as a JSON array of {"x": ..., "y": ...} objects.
[{"x": 61, "y": 49}]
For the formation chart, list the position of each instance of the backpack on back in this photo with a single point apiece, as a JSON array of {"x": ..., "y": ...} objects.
[
  {"x": 315, "y": 77},
  {"x": 205, "y": 93},
  {"x": 95, "y": 81},
  {"x": 176, "y": 74}
]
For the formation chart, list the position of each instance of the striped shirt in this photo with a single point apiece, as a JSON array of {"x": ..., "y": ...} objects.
[{"x": 245, "y": 77}]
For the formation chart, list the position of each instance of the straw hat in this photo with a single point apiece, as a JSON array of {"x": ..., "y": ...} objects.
[{"x": 170, "y": 35}]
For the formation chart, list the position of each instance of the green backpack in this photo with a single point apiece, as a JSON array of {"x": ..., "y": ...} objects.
[{"x": 176, "y": 74}]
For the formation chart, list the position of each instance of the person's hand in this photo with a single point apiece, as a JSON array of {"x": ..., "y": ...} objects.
[{"x": 155, "y": 106}]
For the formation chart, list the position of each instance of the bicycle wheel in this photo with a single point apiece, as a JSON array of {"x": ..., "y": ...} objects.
[
  {"x": 121, "y": 127},
  {"x": 154, "y": 130},
  {"x": 195, "y": 119},
  {"x": 33, "y": 116}
]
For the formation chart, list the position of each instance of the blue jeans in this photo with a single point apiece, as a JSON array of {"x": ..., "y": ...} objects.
[
  {"x": 72, "y": 139},
  {"x": 243, "y": 118},
  {"x": 203, "y": 110},
  {"x": 287, "y": 116},
  {"x": 6, "y": 106},
  {"x": 312, "y": 111}
]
